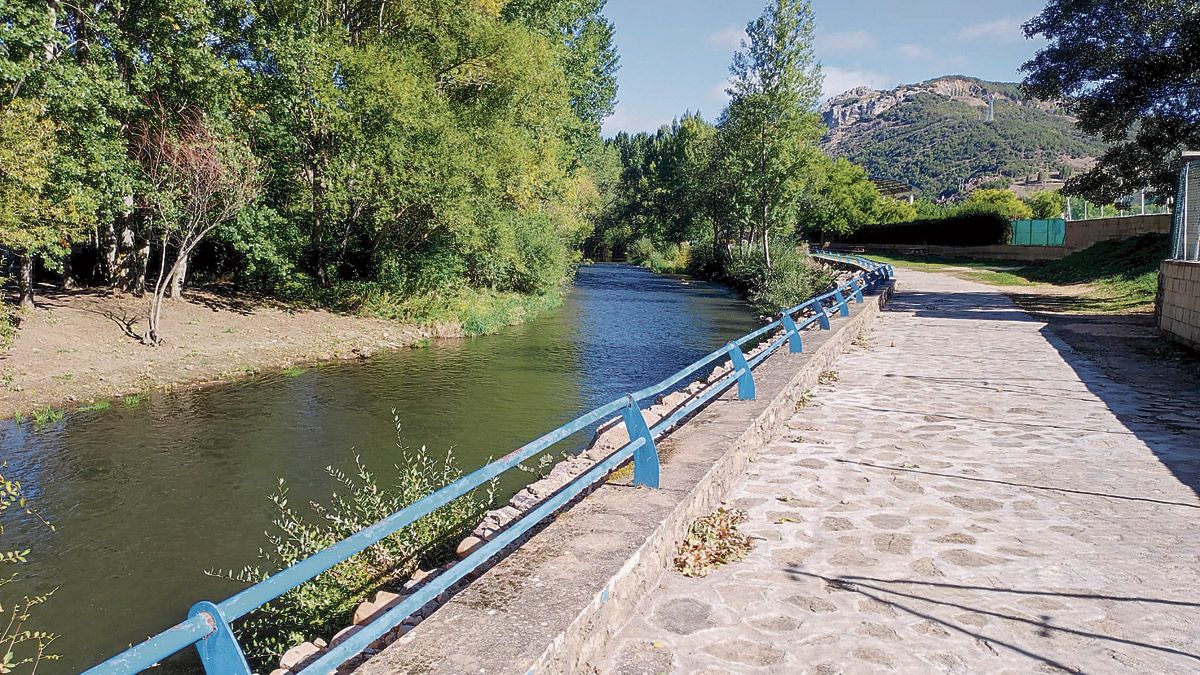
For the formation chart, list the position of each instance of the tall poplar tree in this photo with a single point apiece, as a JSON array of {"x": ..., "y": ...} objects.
[{"x": 771, "y": 127}]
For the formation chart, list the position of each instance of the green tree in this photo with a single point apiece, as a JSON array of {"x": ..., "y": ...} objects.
[
  {"x": 1003, "y": 202},
  {"x": 772, "y": 129},
  {"x": 1046, "y": 204},
  {"x": 843, "y": 199},
  {"x": 1130, "y": 73},
  {"x": 37, "y": 221}
]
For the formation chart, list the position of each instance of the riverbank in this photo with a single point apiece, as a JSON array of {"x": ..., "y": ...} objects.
[{"x": 79, "y": 348}]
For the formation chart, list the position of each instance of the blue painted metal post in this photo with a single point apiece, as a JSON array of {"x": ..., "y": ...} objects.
[
  {"x": 219, "y": 650},
  {"x": 819, "y": 310},
  {"x": 795, "y": 345},
  {"x": 843, "y": 307},
  {"x": 858, "y": 296},
  {"x": 746, "y": 379},
  {"x": 645, "y": 458}
]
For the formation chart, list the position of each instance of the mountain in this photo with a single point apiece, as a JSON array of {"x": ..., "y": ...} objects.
[{"x": 935, "y": 136}]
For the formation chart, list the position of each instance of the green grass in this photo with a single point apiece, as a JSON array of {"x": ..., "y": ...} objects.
[
  {"x": 96, "y": 405},
  {"x": 131, "y": 400},
  {"x": 1121, "y": 276},
  {"x": 294, "y": 371},
  {"x": 46, "y": 416},
  {"x": 478, "y": 311}
]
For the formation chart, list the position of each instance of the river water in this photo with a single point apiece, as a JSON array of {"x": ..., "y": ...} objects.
[{"x": 145, "y": 499}]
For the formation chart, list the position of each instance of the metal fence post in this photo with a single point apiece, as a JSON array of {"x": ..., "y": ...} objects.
[
  {"x": 795, "y": 345},
  {"x": 219, "y": 650},
  {"x": 645, "y": 458},
  {"x": 858, "y": 296},
  {"x": 746, "y": 379},
  {"x": 843, "y": 307},
  {"x": 819, "y": 310}
]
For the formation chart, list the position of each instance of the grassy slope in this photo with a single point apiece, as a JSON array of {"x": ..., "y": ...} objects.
[{"x": 1110, "y": 277}]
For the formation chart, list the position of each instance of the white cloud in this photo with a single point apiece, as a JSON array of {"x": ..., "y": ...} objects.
[
  {"x": 845, "y": 42},
  {"x": 1007, "y": 29},
  {"x": 624, "y": 119},
  {"x": 915, "y": 52},
  {"x": 839, "y": 80},
  {"x": 729, "y": 37}
]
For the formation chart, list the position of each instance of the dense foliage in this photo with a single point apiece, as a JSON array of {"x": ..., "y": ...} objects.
[
  {"x": 944, "y": 147},
  {"x": 437, "y": 148},
  {"x": 974, "y": 225},
  {"x": 1130, "y": 71}
]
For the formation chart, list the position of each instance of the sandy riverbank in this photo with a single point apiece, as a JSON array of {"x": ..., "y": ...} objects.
[{"x": 76, "y": 346}]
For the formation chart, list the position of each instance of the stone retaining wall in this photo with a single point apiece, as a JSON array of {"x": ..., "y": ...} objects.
[
  {"x": 549, "y": 605},
  {"x": 1179, "y": 301}
]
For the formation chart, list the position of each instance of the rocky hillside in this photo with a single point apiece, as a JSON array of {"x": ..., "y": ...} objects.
[{"x": 935, "y": 136}]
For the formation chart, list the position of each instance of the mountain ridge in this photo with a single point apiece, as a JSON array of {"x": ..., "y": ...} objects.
[{"x": 934, "y": 135}]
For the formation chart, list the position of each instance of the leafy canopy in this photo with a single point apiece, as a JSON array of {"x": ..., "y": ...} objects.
[{"x": 1130, "y": 72}]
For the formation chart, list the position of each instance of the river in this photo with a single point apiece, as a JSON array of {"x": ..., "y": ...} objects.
[{"x": 144, "y": 499}]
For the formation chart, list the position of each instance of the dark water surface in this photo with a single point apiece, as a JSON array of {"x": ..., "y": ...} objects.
[{"x": 145, "y": 499}]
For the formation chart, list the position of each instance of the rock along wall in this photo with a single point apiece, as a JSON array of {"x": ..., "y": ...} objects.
[{"x": 1179, "y": 301}]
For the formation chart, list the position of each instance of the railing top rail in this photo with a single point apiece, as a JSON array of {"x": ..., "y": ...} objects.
[{"x": 202, "y": 624}]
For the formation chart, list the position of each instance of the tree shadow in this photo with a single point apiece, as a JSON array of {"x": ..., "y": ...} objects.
[
  {"x": 883, "y": 591},
  {"x": 1153, "y": 397}
]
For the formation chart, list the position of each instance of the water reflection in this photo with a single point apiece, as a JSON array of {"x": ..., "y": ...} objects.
[{"x": 146, "y": 498}]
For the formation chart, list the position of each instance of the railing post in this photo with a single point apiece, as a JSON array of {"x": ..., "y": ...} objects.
[
  {"x": 795, "y": 345},
  {"x": 746, "y": 379},
  {"x": 819, "y": 310},
  {"x": 645, "y": 458},
  {"x": 219, "y": 650},
  {"x": 843, "y": 307},
  {"x": 858, "y": 296}
]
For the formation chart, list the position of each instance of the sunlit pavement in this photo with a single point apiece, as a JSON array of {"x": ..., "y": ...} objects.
[{"x": 970, "y": 495}]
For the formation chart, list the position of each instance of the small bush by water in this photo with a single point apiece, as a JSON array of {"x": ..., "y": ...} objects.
[
  {"x": 325, "y": 605},
  {"x": 21, "y": 648}
]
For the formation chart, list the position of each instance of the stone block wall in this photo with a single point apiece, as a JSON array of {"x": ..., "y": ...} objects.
[{"x": 1179, "y": 301}]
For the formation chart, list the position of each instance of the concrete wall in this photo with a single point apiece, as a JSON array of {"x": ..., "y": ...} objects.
[
  {"x": 1083, "y": 233},
  {"x": 1179, "y": 301},
  {"x": 1080, "y": 234}
]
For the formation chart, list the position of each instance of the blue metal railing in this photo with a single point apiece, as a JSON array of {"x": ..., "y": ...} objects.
[{"x": 208, "y": 624}]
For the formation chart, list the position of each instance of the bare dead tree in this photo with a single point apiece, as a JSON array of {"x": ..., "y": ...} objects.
[{"x": 198, "y": 179}]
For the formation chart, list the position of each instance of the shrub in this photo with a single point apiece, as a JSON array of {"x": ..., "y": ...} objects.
[
  {"x": 974, "y": 226},
  {"x": 21, "y": 646},
  {"x": 792, "y": 278},
  {"x": 324, "y": 605}
]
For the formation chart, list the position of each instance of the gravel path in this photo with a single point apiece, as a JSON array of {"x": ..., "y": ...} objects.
[{"x": 970, "y": 495}]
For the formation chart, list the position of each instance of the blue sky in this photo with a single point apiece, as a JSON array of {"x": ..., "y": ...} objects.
[{"x": 675, "y": 53}]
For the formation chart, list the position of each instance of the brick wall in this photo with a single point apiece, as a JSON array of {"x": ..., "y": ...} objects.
[{"x": 1179, "y": 301}]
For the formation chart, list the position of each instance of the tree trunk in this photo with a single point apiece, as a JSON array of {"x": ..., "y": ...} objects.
[
  {"x": 766, "y": 235},
  {"x": 178, "y": 278},
  {"x": 68, "y": 276},
  {"x": 25, "y": 281}
]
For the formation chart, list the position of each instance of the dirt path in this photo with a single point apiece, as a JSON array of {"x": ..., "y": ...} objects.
[{"x": 76, "y": 346}]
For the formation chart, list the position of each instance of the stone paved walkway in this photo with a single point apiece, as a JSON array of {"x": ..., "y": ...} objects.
[{"x": 969, "y": 496}]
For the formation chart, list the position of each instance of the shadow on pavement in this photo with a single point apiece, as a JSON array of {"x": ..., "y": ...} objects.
[{"x": 1150, "y": 385}]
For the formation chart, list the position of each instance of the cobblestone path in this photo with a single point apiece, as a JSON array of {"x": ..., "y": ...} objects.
[{"x": 969, "y": 496}]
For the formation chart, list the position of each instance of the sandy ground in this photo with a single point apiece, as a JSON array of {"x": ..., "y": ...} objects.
[{"x": 79, "y": 346}]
